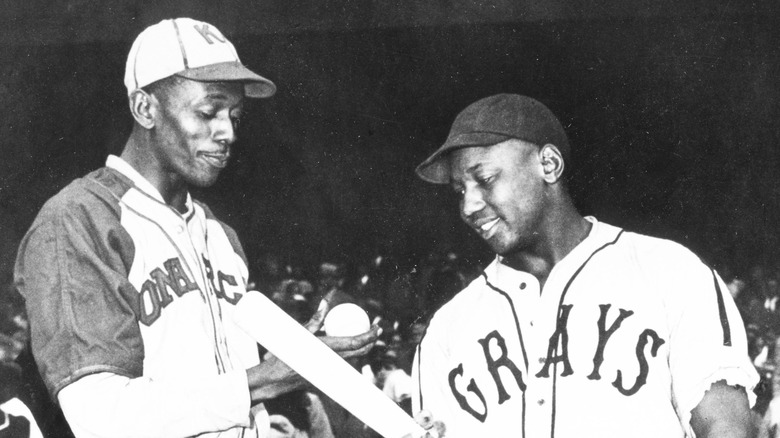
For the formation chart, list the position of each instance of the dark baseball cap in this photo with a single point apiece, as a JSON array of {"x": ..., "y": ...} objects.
[{"x": 493, "y": 120}]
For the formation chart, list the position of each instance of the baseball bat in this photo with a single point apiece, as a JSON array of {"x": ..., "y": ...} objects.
[{"x": 294, "y": 345}]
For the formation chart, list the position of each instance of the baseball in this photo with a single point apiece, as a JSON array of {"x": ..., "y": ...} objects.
[{"x": 346, "y": 320}]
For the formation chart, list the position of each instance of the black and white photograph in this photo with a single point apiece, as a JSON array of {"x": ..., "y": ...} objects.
[{"x": 389, "y": 219}]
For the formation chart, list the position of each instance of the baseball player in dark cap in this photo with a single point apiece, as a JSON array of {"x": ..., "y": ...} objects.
[
  {"x": 131, "y": 284},
  {"x": 578, "y": 328}
]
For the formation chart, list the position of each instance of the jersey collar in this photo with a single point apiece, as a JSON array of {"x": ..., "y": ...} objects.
[
  {"x": 600, "y": 233},
  {"x": 141, "y": 183}
]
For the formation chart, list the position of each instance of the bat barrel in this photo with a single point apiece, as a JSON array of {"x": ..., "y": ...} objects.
[{"x": 271, "y": 327}]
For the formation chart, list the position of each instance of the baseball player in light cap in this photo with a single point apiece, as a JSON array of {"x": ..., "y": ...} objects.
[
  {"x": 131, "y": 284},
  {"x": 578, "y": 328}
]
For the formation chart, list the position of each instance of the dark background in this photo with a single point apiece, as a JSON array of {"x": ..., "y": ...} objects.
[{"x": 671, "y": 107}]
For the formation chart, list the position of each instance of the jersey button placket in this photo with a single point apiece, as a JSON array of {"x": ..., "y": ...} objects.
[
  {"x": 529, "y": 289},
  {"x": 538, "y": 412},
  {"x": 536, "y": 340},
  {"x": 191, "y": 253}
]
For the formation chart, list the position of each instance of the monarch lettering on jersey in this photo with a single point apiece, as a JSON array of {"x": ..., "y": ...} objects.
[
  {"x": 497, "y": 356},
  {"x": 219, "y": 281},
  {"x": 156, "y": 292}
]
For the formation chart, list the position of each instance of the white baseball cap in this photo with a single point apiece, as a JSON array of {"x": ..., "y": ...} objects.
[{"x": 191, "y": 49}]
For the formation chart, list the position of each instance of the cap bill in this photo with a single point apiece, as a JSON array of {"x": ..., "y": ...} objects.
[
  {"x": 436, "y": 170},
  {"x": 255, "y": 85}
]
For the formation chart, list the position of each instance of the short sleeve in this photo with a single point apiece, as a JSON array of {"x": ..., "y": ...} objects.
[
  {"x": 71, "y": 269},
  {"x": 707, "y": 336}
]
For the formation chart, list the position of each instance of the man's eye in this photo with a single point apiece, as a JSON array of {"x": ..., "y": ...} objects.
[
  {"x": 208, "y": 115},
  {"x": 485, "y": 180}
]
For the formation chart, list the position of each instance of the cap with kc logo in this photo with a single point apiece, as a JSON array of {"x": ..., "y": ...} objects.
[{"x": 190, "y": 49}]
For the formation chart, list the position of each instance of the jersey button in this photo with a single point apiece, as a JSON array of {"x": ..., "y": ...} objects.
[
  {"x": 522, "y": 286},
  {"x": 542, "y": 359},
  {"x": 540, "y": 402}
]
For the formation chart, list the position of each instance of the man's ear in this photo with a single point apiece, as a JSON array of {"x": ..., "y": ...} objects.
[
  {"x": 552, "y": 163},
  {"x": 142, "y": 107}
]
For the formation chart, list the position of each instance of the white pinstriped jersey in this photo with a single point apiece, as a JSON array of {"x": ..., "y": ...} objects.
[
  {"x": 626, "y": 336},
  {"x": 117, "y": 281}
]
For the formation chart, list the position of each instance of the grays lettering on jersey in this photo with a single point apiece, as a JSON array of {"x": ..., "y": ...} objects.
[{"x": 628, "y": 334}]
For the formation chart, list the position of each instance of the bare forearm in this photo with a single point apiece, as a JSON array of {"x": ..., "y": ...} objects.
[
  {"x": 271, "y": 379},
  {"x": 724, "y": 412},
  {"x": 725, "y": 430}
]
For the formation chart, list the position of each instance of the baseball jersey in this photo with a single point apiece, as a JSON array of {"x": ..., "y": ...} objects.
[
  {"x": 116, "y": 281},
  {"x": 16, "y": 420},
  {"x": 627, "y": 334}
]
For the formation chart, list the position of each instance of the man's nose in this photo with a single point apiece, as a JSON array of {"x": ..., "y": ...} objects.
[
  {"x": 225, "y": 131},
  {"x": 472, "y": 202}
]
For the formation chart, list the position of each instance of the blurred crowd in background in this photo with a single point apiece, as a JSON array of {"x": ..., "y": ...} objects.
[
  {"x": 757, "y": 295},
  {"x": 400, "y": 297}
]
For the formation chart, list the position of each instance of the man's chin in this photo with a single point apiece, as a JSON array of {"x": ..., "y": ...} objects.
[
  {"x": 501, "y": 249},
  {"x": 203, "y": 181},
  {"x": 505, "y": 248}
]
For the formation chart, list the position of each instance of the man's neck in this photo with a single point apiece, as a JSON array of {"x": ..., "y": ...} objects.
[
  {"x": 170, "y": 186},
  {"x": 559, "y": 238}
]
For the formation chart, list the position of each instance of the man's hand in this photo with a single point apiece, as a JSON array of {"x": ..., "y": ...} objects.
[
  {"x": 273, "y": 377},
  {"x": 433, "y": 428},
  {"x": 345, "y": 346}
]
